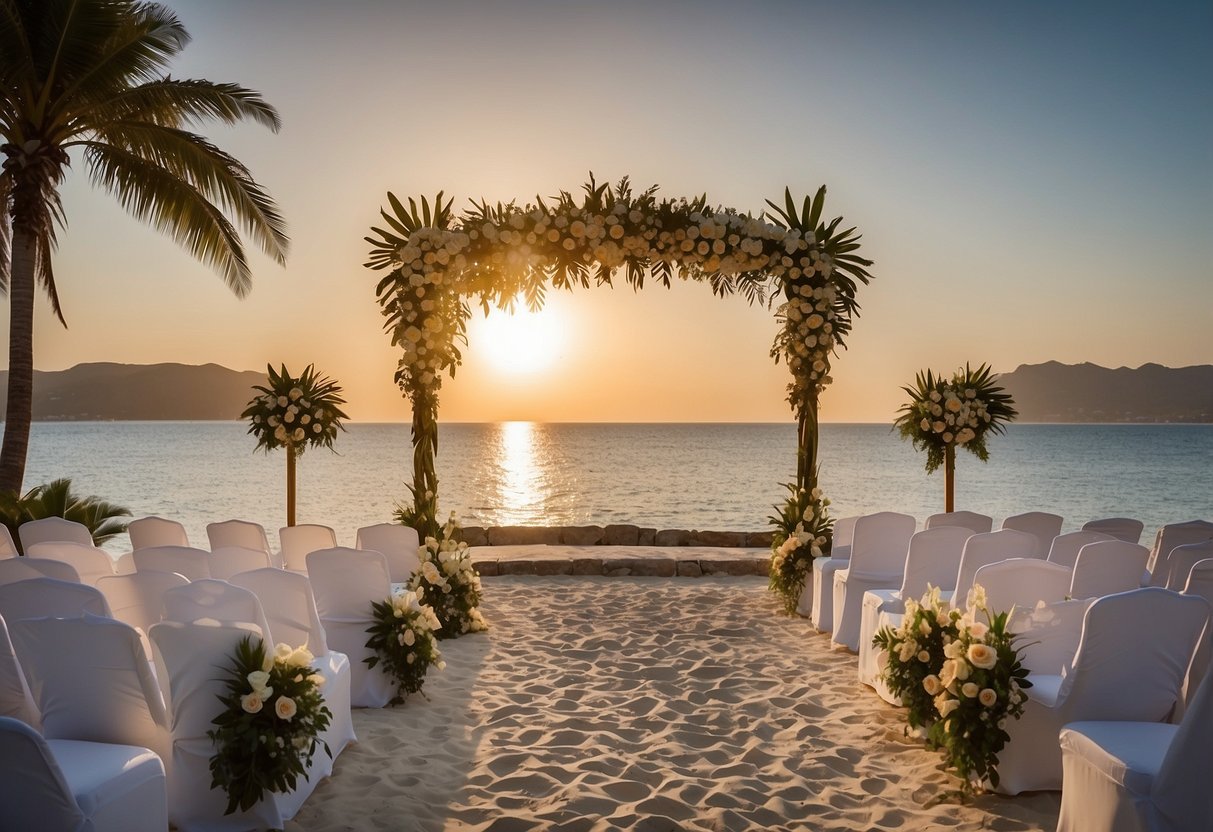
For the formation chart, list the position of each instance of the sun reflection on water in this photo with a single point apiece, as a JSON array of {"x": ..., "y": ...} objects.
[{"x": 521, "y": 484}]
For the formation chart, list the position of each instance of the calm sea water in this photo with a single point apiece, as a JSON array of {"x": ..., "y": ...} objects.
[{"x": 697, "y": 476}]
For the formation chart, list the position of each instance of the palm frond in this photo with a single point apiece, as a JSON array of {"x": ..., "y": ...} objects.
[{"x": 173, "y": 101}]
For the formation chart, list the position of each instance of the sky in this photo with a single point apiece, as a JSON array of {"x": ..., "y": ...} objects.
[{"x": 1034, "y": 182}]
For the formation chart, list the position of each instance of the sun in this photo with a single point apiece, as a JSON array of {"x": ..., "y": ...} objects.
[{"x": 519, "y": 342}]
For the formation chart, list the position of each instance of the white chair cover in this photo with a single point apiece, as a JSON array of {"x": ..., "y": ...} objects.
[
  {"x": 1049, "y": 635},
  {"x": 345, "y": 582},
  {"x": 227, "y": 561},
  {"x": 49, "y": 598},
  {"x": 286, "y": 598},
  {"x": 186, "y": 658},
  {"x": 72, "y": 786},
  {"x": 138, "y": 599},
  {"x": 1130, "y": 666},
  {"x": 397, "y": 543},
  {"x": 156, "y": 531},
  {"x": 971, "y": 520},
  {"x": 983, "y": 549},
  {"x": 216, "y": 601},
  {"x": 1064, "y": 550},
  {"x": 53, "y": 528},
  {"x": 878, "y": 561},
  {"x": 7, "y": 548},
  {"x": 1170, "y": 536},
  {"x": 820, "y": 584},
  {"x": 91, "y": 681},
  {"x": 240, "y": 533},
  {"x": 1200, "y": 585},
  {"x": 23, "y": 569},
  {"x": 1121, "y": 528},
  {"x": 1182, "y": 559},
  {"x": 298, "y": 541},
  {"x": 1041, "y": 524},
  {"x": 193, "y": 564},
  {"x": 89, "y": 562},
  {"x": 1022, "y": 582},
  {"x": 16, "y": 701},
  {"x": 1108, "y": 567}
]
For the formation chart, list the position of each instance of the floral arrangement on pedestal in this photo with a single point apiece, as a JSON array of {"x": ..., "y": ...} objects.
[
  {"x": 961, "y": 412},
  {"x": 273, "y": 713},
  {"x": 404, "y": 641},
  {"x": 295, "y": 413},
  {"x": 803, "y": 531},
  {"x": 912, "y": 655},
  {"x": 448, "y": 582}
]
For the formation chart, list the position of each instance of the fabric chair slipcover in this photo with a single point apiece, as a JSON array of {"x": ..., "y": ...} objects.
[
  {"x": 933, "y": 559},
  {"x": 1121, "y": 528},
  {"x": 345, "y": 582},
  {"x": 53, "y": 528},
  {"x": 1200, "y": 585},
  {"x": 1022, "y": 582},
  {"x": 1182, "y": 559},
  {"x": 216, "y": 601},
  {"x": 1041, "y": 524},
  {"x": 24, "y": 569},
  {"x": 50, "y": 598},
  {"x": 878, "y": 561},
  {"x": 193, "y": 564},
  {"x": 16, "y": 701},
  {"x": 89, "y": 562},
  {"x": 1130, "y": 666},
  {"x": 821, "y": 583},
  {"x": 1170, "y": 536},
  {"x": 240, "y": 533},
  {"x": 397, "y": 543},
  {"x": 186, "y": 658},
  {"x": 983, "y": 549},
  {"x": 1139, "y": 776},
  {"x": 73, "y": 786},
  {"x": 1049, "y": 634},
  {"x": 971, "y": 520},
  {"x": 138, "y": 599},
  {"x": 298, "y": 541},
  {"x": 286, "y": 597},
  {"x": 147, "y": 532},
  {"x": 7, "y": 548},
  {"x": 1108, "y": 567},
  {"x": 1064, "y": 550},
  {"x": 227, "y": 561}
]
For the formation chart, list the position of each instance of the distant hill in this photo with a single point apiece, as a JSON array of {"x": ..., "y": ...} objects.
[
  {"x": 102, "y": 392},
  {"x": 1056, "y": 392}
]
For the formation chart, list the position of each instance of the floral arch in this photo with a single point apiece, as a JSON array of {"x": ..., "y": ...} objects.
[{"x": 437, "y": 261}]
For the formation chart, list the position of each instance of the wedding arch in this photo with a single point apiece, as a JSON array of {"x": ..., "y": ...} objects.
[{"x": 436, "y": 261}]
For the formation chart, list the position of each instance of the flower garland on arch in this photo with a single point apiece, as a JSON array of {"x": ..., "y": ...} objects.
[{"x": 436, "y": 260}]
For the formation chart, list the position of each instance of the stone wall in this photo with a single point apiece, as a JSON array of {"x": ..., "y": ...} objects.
[{"x": 613, "y": 535}]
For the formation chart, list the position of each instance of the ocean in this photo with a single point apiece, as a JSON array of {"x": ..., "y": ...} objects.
[{"x": 692, "y": 476}]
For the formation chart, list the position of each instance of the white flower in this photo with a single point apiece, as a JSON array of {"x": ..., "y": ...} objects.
[
  {"x": 932, "y": 685},
  {"x": 945, "y": 705},
  {"x": 987, "y": 698},
  {"x": 251, "y": 702},
  {"x": 296, "y": 394},
  {"x": 983, "y": 656},
  {"x": 969, "y": 689},
  {"x": 285, "y": 708},
  {"x": 298, "y": 434},
  {"x": 259, "y": 680},
  {"x": 409, "y": 638},
  {"x": 924, "y": 656},
  {"x": 978, "y": 630},
  {"x": 282, "y": 401}
]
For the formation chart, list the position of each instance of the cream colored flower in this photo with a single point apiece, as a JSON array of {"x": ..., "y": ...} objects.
[
  {"x": 251, "y": 702},
  {"x": 409, "y": 638},
  {"x": 259, "y": 679},
  {"x": 969, "y": 689},
  {"x": 978, "y": 630},
  {"x": 987, "y": 698},
  {"x": 945, "y": 705},
  {"x": 924, "y": 656},
  {"x": 285, "y": 708},
  {"x": 300, "y": 657},
  {"x": 983, "y": 656},
  {"x": 932, "y": 685}
]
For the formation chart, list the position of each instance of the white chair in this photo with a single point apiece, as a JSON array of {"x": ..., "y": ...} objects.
[
  {"x": 1049, "y": 634},
  {"x": 933, "y": 559},
  {"x": 7, "y": 548},
  {"x": 971, "y": 520},
  {"x": 1181, "y": 561},
  {"x": 983, "y": 549},
  {"x": 193, "y": 564},
  {"x": 156, "y": 531},
  {"x": 91, "y": 681},
  {"x": 89, "y": 562},
  {"x": 1200, "y": 585},
  {"x": 1121, "y": 528},
  {"x": 1022, "y": 582},
  {"x": 187, "y": 656},
  {"x": 1170, "y": 536},
  {"x": 50, "y": 598},
  {"x": 397, "y": 543},
  {"x": 878, "y": 561},
  {"x": 1130, "y": 666},
  {"x": 1041, "y": 524},
  {"x": 298, "y": 541},
  {"x": 1108, "y": 567},
  {"x": 1064, "y": 550},
  {"x": 345, "y": 582},
  {"x": 138, "y": 599},
  {"x": 53, "y": 528},
  {"x": 72, "y": 785},
  {"x": 240, "y": 533},
  {"x": 1139, "y": 776},
  {"x": 227, "y": 561},
  {"x": 23, "y": 569},
  {"x": 286, "y": 597},
  {"x": 16, "y": 701},
  {"x": 216, "y": 601},
  {"x": 821, "y": 582}
]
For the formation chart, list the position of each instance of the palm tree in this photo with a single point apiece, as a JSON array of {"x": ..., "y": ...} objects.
[{"x": 89, "y": 77}]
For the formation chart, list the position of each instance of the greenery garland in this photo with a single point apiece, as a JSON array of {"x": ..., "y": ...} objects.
[
  {"x": 403, "y": 639},
  {"x": 448, "y": 583},
  {"x": 803, "y": 531}
]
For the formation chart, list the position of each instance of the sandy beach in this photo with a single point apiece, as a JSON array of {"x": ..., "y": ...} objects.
[{"x": 644, "y": 703}]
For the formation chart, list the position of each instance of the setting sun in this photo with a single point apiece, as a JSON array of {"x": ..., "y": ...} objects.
[{"x": 521, "y": 341}]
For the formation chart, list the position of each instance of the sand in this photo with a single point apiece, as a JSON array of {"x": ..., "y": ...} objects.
[{"x": 648, "y": 704}]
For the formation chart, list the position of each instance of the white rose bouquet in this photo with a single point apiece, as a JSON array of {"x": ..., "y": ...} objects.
[
  {"x": 448, "y": 582},
  {"x": 403, "y": 638},
  {"x": 803, "y": 531},
  {"x": 267, "y": 733},
  {"x": 913, "y": 653}
]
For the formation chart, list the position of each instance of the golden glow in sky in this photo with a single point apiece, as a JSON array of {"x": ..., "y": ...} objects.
[{"x": 518, "y": 342}]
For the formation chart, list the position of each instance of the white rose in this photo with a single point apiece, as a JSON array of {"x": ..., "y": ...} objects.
[
  {"x": 983, "y": 656},
  {"x": 296, "y": 394},
  {"x": 945, "y": 705},
  {"x": 924, "y": 656},
  {"x": 987, "y": 698},
  {"x": 409, "y": 638},
  {"x": 316, "y": 428},
  {"x": 280, "y": 433},
  {"x": 969, "y": 689},
  {"x": 259, "y": 679},
  {"x": 299, "y": 434},
  {"x": 978, "y": 630},
  {"x": 285, "y": 707},
  {"x": 932, "y": 685},
  {"x": 251, "y": 703},
  {"x": 282, "y": 401}
]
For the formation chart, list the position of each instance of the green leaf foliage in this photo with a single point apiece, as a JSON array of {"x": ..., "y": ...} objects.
[{"x": 102, "y": 518}]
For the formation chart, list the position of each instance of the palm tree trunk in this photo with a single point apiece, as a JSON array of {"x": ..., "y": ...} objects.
[{"x": 19, "y": 410}]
